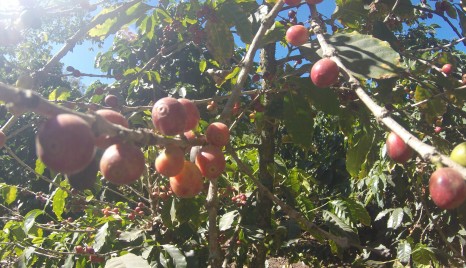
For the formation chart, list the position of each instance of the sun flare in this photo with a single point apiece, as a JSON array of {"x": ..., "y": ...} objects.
[{"x": 9, "y": 5}]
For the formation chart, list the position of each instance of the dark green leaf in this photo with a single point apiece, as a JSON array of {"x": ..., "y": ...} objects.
[
  {"x": 423, "y": 254},
  {"x": 451, "y": 11},
  {"x": 234, "y": 14},
  {"x": 339, "y": 227},
  {"x": 220, "y": 41},
  {"x": 324, "y": 100},
  {"x": 177, "y": 256},
  {"x": 431, "y": 109},
  {"x": 299, "y": 119},
  {"x": 274, "y": 34},
  {"x": 357, "y": 152},
  {"x": 358, "y": 212}
]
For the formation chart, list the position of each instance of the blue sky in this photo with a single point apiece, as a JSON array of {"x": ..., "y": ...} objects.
[{"x": 83, "y": 59}]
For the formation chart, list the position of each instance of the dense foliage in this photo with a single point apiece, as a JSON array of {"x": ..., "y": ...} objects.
[{"x": 309, "y": 174}]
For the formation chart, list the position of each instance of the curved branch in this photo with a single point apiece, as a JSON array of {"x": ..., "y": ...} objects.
[{"x": 426, "y": 152}]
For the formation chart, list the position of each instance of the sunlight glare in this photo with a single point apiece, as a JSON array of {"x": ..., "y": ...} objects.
[{"x": 8, "y": 5}]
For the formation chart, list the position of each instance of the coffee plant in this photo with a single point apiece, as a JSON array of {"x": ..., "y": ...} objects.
[{"x": 233, "y": 133}]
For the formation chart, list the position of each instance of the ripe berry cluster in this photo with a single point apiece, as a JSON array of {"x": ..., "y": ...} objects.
[
  {"x": 447, "y": 187},
  {"x": 174, "y": 117}
]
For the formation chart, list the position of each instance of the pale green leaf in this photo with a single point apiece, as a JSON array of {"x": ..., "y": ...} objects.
[
  {"x": 382, "y": 214},
  {"x": 395, "y": 219},
  {"x": 30, "y": 219},
  {"x": 403, "y": 251},
  {"x": 127, "y": 261},
  {"x": 227, "y": 219},
  {"x": 59, "y": 201},
  {"x": 202, "y": 65},
  {"x": 364, "y": 55},
  {"x": 40, "y": 167},
  {"x": 101, "y": 237},
  {"x": 11, "y": 194},
  {"x": 131, "y": 235},
  {"x": 61, "y": 94}
]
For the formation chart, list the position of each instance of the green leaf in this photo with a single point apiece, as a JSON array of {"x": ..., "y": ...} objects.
[
  {"x": 234, "y": 13},
  {"x": 403, "y": 251},
  {"x": 164, "y": 14},
  {"x": 324, "y": 100},
  {"x": 350, "y": 13},
  {"x": 451, "y": 11},
  {"x": 274, "y": 34},
  {"x": 101, "y": 237},
  {"x": 177, "y": 256},
  {"x": 127, "y": 261},
  {"x": 395, "y": 219},
  {"x": 423, "y": 254},
  {"x": 357, "y": 152},
  {"x": 383, "y": 213},
  {"x": 299, "y": 119},
  {"x": 220, "y": 43},
  {"x": 358, "y": 211},
  {"x": 227, "y": 219},
  {"x": 30, "y": 219},
  {"x": 69, "y": 262},
  {"x": 10, "y": 193},
  {"x": 294, "y": 180},
  {"x": 115, "y": 23},
  {"x": 59, "y": 201},
  {"x": 61, "y": 94},
  {"x": 366, "y": 56},
  {"x": 40, "y": 167},
  {"x": 433, "y": 108},
  {"x": 155, "y": 76},
  {"x": 131, "y": 235},
  {"x": 339, "y": 227},
  {"x": 202, "y": 65}
]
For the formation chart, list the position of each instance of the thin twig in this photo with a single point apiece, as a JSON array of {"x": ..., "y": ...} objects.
[{"x": 249, "y": 59}]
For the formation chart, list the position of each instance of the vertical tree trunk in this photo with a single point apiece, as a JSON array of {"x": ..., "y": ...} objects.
[{"x": 266, "y": 158}]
